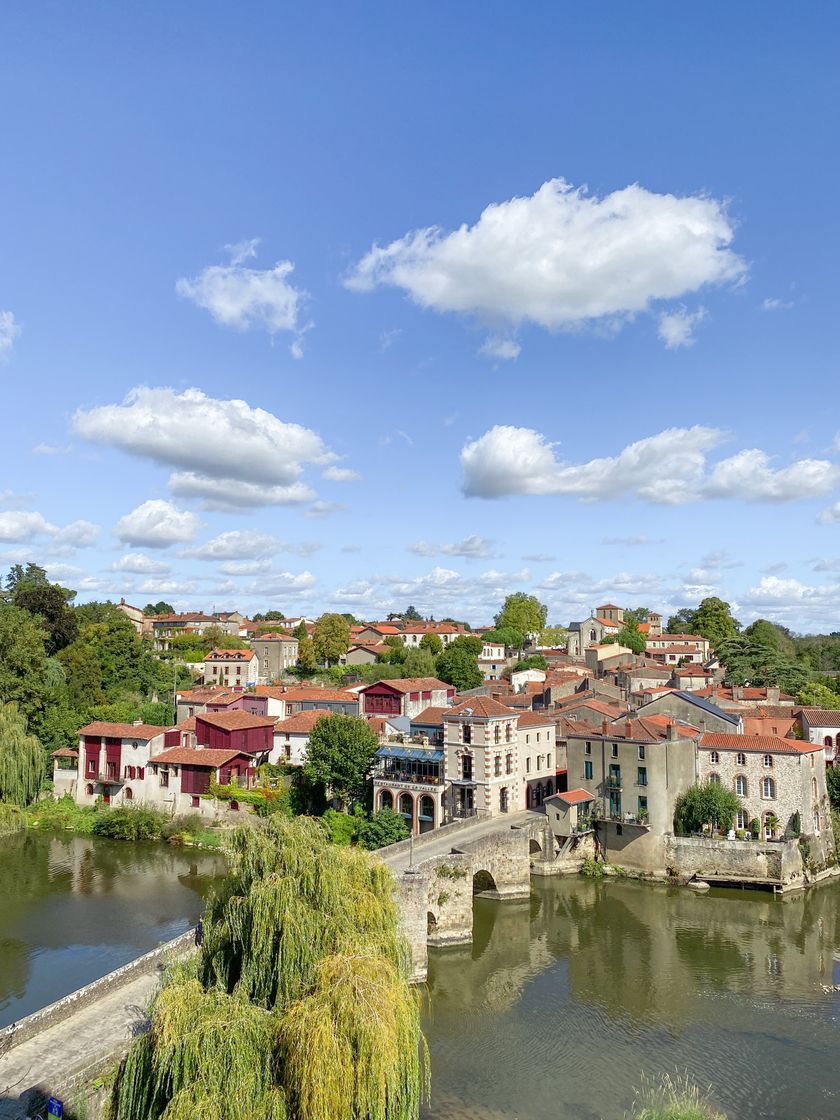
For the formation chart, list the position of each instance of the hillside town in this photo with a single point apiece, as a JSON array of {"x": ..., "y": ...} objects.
[{"x": 604, "y": 739}]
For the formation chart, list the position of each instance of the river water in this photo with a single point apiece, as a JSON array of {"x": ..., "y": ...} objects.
[
  {"x": 73, "y": 908},
  {"x": 561, "y": 1004}
]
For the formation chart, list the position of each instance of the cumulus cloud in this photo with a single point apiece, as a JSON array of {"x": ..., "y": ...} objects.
[
  {"x": 226, "y": 453},
  {"x": 23, "y": 525},
  {"x": 676, "y": 328},
  {"x": 630, "y": 542},
  {"x": 324, "y": 509},
  {"x": 501, "y": 349},
  {"x": 9, "y": 332},
  {"x": 562, "y": 258},
  {"x": 249, "y": 298},
  {"x": 78, "y": 534},
  {"x": 341, "y": 474},
  {"x": 156, "y": 524},
  {"x": 470, "y": 547},
  {"x": 830, "y": 516},
  {"x": 774, "y": 304},
  {"x": 669, "y": 468},
  {"x": 138, "y": 563},
  {"x": 247, "y": 544},
  {"x": 50, "y": 449}
]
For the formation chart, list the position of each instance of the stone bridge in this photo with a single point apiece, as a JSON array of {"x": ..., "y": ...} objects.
[{"x": 439, "y": 873}]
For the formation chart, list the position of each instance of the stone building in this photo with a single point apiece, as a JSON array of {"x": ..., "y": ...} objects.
[
  {"x": 821, "y": 725},
  {"x": 275, "y": 653},
  {"x": 689, "y": 708},
  {"x": 775, "y": 779},
  {"x": 235, "y": 668},
  {"x": 482, "y": 758}
]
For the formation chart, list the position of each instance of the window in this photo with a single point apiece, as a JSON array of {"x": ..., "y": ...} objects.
[
  {"x": 741, "y": 758},
  {"x": 548, "y": 761},
  {"x": 467, "y": 767},
  {"x": 141, "y": 771},
  {"x": 741, "y": 785},
  {"x": 714, "y": 779},
  {"x": 714, "y": 758},
  {"x": 508, "y": 732},
  {"x": 615, "y": 750},
  {"x": 587, "y": 771},
  {"x": 497, "y": 734},
  {"x": 588, "y": 748},
  {"x": 539, "y": 762},
  {"x": 527, "y": 739},
  {"x": 508, "y": 763},
  {"x": 641, "y": 776},
  {"x": 827, "y": 742},
  {"x": 195, "y": 802},
  {"x": 91, "y": 766},
  {"x": 467, "y": 732},
  {"x": 643, "y": 809},
  {"x": 497, "y": 765},
  {"x": 128, "y": 794},
  {"x": 814, "y": 788},
  {"x": 742, "y": 819},
  {"x": 234, "y": 806},
  {"x": 767, "y": 762},
  {"x": 89, "y": 790},
  {"x": 768, "y": 788},
  {"x": 641, "y": 752},
  {"x": 527, "y": 765}
]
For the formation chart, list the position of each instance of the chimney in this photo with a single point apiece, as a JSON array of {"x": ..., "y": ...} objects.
[
  {"x": 673, "y": 732},
  {"x": 628, "y": 729},
  {"x": 604, "y": 728},
  {"x": 774, "y": 695}
]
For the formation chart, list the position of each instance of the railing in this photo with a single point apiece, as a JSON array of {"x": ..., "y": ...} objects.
[
  {"x": 407, "y": 776},
  {"x": 461, "y": 813},
  {"x": 109, "y": 779}
]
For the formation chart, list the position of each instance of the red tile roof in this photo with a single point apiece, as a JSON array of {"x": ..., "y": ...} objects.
[
  {"x": 195, "y": 756},
  {"x": 576, "y": 796},
  {"x": 431, "y": 715},
  {"x": 535, "y": 719},
  {"x": 413, "y": 684},
  {"x": 65, "y": 752},
  {"x": 302, "y": 723},
  {"x": 821, "y": 717},
  {"x": 145, "y": 731},
  {"x": 767, "y": 744},
  {"x": 482, "y": 707},
  {"x": 296, "y": 695},
  {"x": 234, "y": 721},
  {"x": 230, "y": 655}
]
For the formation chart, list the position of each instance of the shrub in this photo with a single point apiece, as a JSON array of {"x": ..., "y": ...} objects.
[
  {"x": 673, "y": 1098},
  {"x": 709, "y": 803},
  {"x": 130, "y": 823},
  {"x": 384, "y": 827},
  {"x": 64, "y": 813},
  {"x": 592, "y": 869},
  {"x": 755, "y": 827},
  {"x": 342, "y": 828}
]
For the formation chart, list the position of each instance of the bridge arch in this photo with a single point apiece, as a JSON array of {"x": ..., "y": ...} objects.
[{"x": 483, "y": 881}]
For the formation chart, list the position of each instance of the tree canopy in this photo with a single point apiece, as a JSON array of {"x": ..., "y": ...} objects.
[
  {"x": 707, "y": 804},
  {"x": 160, "y": 607},
  {"x": 457, "y": 664},
  {"x": 331, "y": 637},
  {"x": 432, "y": 643},
  {"x": 22, "y": 761},
  {"x": 508, "y": 636},
  {"x": 522, "y": 612},
  {"x": 340, "y": 754},
  {"x": 712, "y": 620}
]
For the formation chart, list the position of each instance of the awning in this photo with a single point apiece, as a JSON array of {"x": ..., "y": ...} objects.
[{"x": 410, "y": 754}]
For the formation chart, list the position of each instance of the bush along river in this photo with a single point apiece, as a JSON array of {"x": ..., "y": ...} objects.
[
  {"x": 73, "y": 908},
  {"x": 564, "y": 1003}
]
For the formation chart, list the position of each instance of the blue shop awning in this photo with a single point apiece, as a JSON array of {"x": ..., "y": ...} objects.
[{"x": 411, "y": 754}]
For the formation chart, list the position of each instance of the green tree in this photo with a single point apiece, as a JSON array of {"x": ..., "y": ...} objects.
[
  {"x": 764, "y": 632},
  {"x": 522, "y": 612},
  {"x": 269, "y": 616},
  {"x": 331, "y": 637},
  {"x": 411, "y": 614},
  {"x": 306, "y": 661},
  {"x": 22, "y": 762},
  {"x": 397, "y": 651},
  {"x": 554, "y": 636},
  {"x": 707, "y": 804},
  {"x": 631, "y": 636},
  {"x": 214, "y": 637},
  {"x": 32, "y": 574},
  {"x": 682, "y": 622},
  {"x": 713, "y": 620},
  {"x": 532, "y": 661},
  {"x": 639, "y": 614},
  {"x": 832, "y": 781},
  {"x": 508, "y": 636},
  {"x": 432, "y": 643},
  {"x": 299, "y": 1004},
  {"x": 340, "y": 754},
  {"x": 816, "y": 695},
  {"x": 419, "y": 663},
  {"x": 457, "y": 665},
  {"x": 384, "y": 827},
  {"x": 748, "y": 662},
  {"x": 300, "y": 631},
  {"x": 160, "y": 607},
  {"x": 48, "y": 603},
  {"x": 23, "y": 661}
]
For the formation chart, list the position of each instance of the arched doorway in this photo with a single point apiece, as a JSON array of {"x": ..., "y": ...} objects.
[
  {"x": 386, "y": 799},
  {"x": 127, "y": 796},
  {"x": 426, "y": 813},
  {"x": 431, "y": 924},
  {"x": 406, "y": 810},
  {"x": 483, "y": 881}
]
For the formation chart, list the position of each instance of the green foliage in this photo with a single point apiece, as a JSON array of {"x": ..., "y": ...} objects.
[
  {"x": 12, "y": 819},
  {"x": 835, "y": 825},
  {"x": 818, "y": 695},
  {"x": 707, "y": 804},
  {"x": 767, "y": 633},
  {"x": 431, "y": 643},
  {"x": 269, "y": 616},
  {"x": 755, "y": 826},
  {"x": 160, "y": 607},
  {"x": 532, "y": 661},
  {"x": 342, "y": 828},
  {"x": 522, "y": 612},
  {"x": 419, "y": 663},
  {"x": 673, "y": 1098},
  {"x": 23, "y": 661},
  {"x": 47, "y": 603},
  {"x": 307, "y": 661},
  {"x": 554, "y": 636},
  {"x": 832, "y": 781},
  {"x": 299, "y": 1004},
  {"x": 712, "y": 619},
  {"x": 63, "y": 814},
  {"x": 331, "y": 637},
  {"x": 22, "y": 761},
  {"x": 384, "y": 827},
  {"x": 339, "y": 755},
  {"x": 508, "y": 636},
  {"x": 130, "y": 823},
  {"x": 592, "y": 868},
  {"x": 796, "y": 824},
  {"x": 631, "y": 636},
  {"x": 457, "y": 665},
  {"x": 447, "y": 871},
  {"x": 748, "y": 662}
]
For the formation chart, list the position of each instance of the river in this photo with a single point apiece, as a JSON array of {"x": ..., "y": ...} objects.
[
  {"x": 561, "y": 1004},
  {"x": 73, "y": 908}
]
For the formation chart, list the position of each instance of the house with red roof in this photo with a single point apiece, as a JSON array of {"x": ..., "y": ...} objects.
[
  {"x": 406, "y": 696},
  {"x": 112, "y": 760},
  {"x": 178, "y": 778},
  {"x": 234, "y": 668}
]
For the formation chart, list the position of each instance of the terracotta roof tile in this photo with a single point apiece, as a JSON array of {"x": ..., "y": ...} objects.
[
  {"x": 234, "y": 721},
  {"x": 767, "y": 744},
  {"x": 301, "y": 723},
  {"x": 194, "y": 756},
  {"x": 145, "y": 731}
]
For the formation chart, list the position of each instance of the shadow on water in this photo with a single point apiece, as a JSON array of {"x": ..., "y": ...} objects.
[{"x": 560, "y": 1005}]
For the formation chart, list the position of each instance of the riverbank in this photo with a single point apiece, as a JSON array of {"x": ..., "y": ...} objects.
[{"x": 123, "y": 823}]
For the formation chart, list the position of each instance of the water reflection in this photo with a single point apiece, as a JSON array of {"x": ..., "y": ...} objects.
[
  {"x": 73, "y": 908},
  {"x": 561, "y": 1002}
]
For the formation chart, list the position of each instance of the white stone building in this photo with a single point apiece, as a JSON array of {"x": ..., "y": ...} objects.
[{"x": 234, "y": 668}]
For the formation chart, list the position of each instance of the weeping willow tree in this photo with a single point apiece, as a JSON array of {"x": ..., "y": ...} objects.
[
  {"x": 298, "y": 1006},
  {"x": 21, "y": 758}
]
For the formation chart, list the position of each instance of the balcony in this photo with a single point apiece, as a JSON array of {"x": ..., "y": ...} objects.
[
  {"x": 108, "y": 779},
  {"x": 613, "y": 783},
  {"x": 409, "y": 777}
]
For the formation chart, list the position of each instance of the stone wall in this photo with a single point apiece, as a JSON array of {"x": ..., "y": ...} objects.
[{"x": 779, "y": 864}]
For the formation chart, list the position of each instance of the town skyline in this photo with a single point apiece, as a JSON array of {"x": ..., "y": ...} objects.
[{"x": 340, "y": 324}]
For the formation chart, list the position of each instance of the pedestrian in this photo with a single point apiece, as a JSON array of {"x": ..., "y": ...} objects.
[{"x": 199, "y": 933}]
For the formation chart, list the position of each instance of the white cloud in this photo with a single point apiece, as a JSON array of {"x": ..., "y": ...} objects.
[
  {"x": 470, "y": 547},
  {"x": 245, "y": 567},
  {"x": 156, "y": 524},
  {"x": 669, "y": 468},
  {"x": 15, "y": 499},
  {"x": 138, "y": 563},
  {"x": 341, "y": 474},
  {"x": 167, "y": 587},
  {"x": 78, "y": 534},
  {"x": 247, "y": 544},
  {"x": 9, "y": 332},
  {"x": 502, "y": 349},
  {"x": 282, "y": 583},
  {"x": 539, "y": 557},
  {"x": 247, "y": 298},
  {"x": 830, "y": 516},
  {"x": 50, "y": 449},
  {"x": 629, "y": 542},
  {"x": 226, "y": 452},
  {"x": 22, "y": 525},
  {"x": 324, "y": 509},
  {"x": 774, "y": 304},
  {"x": 562, "y": 258},
  {"x": 676, "y": 328}
]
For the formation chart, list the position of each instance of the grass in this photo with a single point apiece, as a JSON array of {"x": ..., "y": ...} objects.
[
  {"x": 673, "y": 1098},
  {"x": 129, "y": 822}
]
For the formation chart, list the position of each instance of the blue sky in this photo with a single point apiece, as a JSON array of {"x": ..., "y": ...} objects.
[{"x": 537, "y": 298}]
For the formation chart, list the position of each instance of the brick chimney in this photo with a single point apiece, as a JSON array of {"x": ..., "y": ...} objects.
[
  {"x": 628, "y": 729},
  {"x": 673, "y": 730},
  {"x": 774, "y": 695},
  {"x": 604, "y": 728}
]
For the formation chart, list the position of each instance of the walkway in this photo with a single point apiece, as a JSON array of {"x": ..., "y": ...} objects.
[
  {"x": 439, "y": 844},
  {"x": 89, "y": 1039}
]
